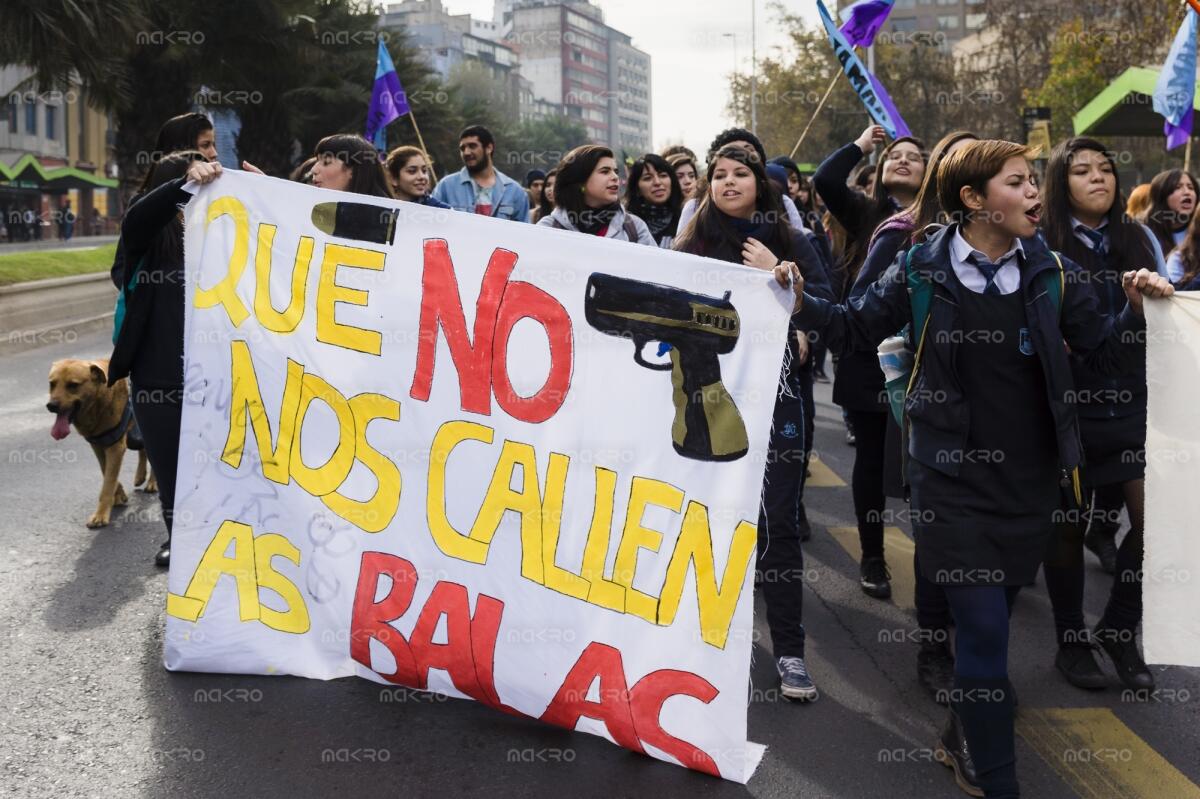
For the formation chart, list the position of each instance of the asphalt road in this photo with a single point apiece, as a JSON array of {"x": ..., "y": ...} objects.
[{"x": 89, "y": 710}]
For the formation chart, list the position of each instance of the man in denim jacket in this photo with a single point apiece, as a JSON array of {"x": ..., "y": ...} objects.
[{"x": 479, "y": 187}]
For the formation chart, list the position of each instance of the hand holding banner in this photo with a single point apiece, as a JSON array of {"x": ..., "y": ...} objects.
[{"x": 371, "y": 487}]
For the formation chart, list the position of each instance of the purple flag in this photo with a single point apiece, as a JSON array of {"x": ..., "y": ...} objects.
[
  {"x": 1178, "y": 134},
  {"x": 868, "y": 88},
  {"x": 388, "y": 100},
  {"x": 885, "y": 99},
  {"x": 1175, "y": 91},
  {"x": 861, "y": 21}
]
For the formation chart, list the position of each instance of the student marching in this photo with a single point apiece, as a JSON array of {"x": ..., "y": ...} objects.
[{"x": 960, "y": 301}]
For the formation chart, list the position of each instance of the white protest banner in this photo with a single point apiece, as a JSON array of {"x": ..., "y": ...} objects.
[
  {"x": 1171, "y": 567},
  {"x": 444, "y": 451}
]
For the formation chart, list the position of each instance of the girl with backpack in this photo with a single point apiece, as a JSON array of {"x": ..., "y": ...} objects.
[{"x": 993, "y": 445}]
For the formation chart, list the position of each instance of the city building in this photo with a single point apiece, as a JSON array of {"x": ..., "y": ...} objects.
[
  {"x": 55, "y": 149},
  {"x": 455, "y": 45},
  {"x": 577, "y": 61}
]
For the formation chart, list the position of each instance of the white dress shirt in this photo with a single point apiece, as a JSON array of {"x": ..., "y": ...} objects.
[{"x": 1008, "y": 277}]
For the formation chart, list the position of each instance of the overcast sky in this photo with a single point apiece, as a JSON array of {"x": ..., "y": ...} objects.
[{"x": 690, "y": 58}]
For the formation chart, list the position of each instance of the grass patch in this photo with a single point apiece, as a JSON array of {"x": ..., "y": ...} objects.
[{"x": 19, "y": 267}]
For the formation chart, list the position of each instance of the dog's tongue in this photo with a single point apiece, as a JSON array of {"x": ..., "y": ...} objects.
[{"x": 62, "y": 427}]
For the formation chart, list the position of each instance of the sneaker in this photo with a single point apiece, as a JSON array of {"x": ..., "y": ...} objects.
[
  {"x": 1077, "y": 662},
  {"x": 1101, "y": 540},
  {"x": 875, "y": 578},
  {"x": 850, "y": 439},
  {"x": 794, "y": 681},
  {"x": 1121, "y": 648},
  {"x": 935, "y": 670},
  {"x": 820, "y": 376},
  {"x": 951, "y": 751},
  {"x": 163, "y": 558}
]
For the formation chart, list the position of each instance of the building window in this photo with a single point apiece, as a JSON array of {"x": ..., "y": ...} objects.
[
  {"x": 904, "y": 24},
  {"x": 31, "y": 118},
  {"x": 947, "y": 2},
  {"x": 51, "y": 118},
  {"x": 948, "y": 22},
  {"x": 976, "y": 20}
]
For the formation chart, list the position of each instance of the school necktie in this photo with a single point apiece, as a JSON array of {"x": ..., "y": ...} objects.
[
  {"x": 1097, "y": 238},
  {"x": 989, "y": 271}
]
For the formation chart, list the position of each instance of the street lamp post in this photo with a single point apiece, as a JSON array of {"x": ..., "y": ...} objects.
[
  {"x": 733, "y": 38},
  {"x": 754, "y": 67}
]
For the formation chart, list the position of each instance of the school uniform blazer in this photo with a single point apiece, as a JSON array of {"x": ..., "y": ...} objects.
[{"x": 937, "y": 408}]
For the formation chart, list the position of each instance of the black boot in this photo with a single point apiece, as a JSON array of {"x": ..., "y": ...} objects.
[
  {"x": 1101, "y": 540},
  {"x": 1077, "y": 662},
  {"x": 951, "y": 750},
  {"x": 935, "y": 670},
  {"x": 875, "y": 579},
  {"x": 985, "y": 708},
  {"x": 1121, "y": 648},
  {"x": 163, "y": 558}
]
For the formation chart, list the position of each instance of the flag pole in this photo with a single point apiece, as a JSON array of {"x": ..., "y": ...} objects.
[
  {"x": 421, "y": 142},
  {"x": 1187, "y": 156},
  {"x": 812, "y": 119}
]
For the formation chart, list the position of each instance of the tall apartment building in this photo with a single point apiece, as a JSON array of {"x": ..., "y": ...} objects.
[
  {"x": 455, "y": 42},
  {"x": 574, "y": 59}
]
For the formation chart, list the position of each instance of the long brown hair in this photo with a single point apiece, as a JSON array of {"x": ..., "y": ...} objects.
[
  {"x": 879, "y": 207},
  {"x": 361, "y": 157},
  {"x": 710, "y": 233},
  {"x": 926, "y": 209},
  {"x": 1189, "y": 252},
  {"x": 1056, "y": 206},
  {"x": 573, "y": 173},
  {"x": 1160, "y": 218}
]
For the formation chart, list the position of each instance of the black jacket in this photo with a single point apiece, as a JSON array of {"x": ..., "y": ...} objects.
[
  {"x": 936, "y": 408},
  {"x": 858, "y": 382},
  {"x": 1106, "y": 396},
  {"x": 848, "y": 206},
  {"x": 150, "y": 343}
]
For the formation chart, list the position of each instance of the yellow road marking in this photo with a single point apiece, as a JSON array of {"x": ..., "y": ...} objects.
[
  {"x": 822, "y": 475},
  {"x": 1099, "y": 757},
  {"x": 898, "y": 549}
]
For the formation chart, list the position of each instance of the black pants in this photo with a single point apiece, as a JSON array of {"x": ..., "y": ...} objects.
[
  {"x": 933, "y": 609},
  {"x": 983, "y": 696},
  {"x": 158, "y": 413},
  {"x": 779, "y": 566},
  {"x": 866, "y": 483},
  {"x": 819, "y": 352},
  {"x": 810, "y": 423},
  {"x": 1064, "y": 583}
]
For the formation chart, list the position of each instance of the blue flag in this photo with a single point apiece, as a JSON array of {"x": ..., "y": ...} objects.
[
  {"x": 388, "y": 100},
  {"x": 868, "y": 88},
  {"x": 1174, "y": 94}
]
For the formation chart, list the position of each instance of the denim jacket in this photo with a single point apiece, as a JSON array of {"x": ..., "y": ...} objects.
[{"x": 509, "y": 200}]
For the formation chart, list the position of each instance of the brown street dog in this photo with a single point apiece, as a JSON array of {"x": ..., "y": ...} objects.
[{"x": 80, "y": 396}]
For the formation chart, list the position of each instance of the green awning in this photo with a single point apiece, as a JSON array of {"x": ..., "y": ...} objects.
[
  {"x": 1124, "y": 108},
  {"x": 28, "y": 172}
]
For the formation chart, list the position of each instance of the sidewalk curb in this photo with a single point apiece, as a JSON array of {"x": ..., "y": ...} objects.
[{"x": 54, "y": 311}]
